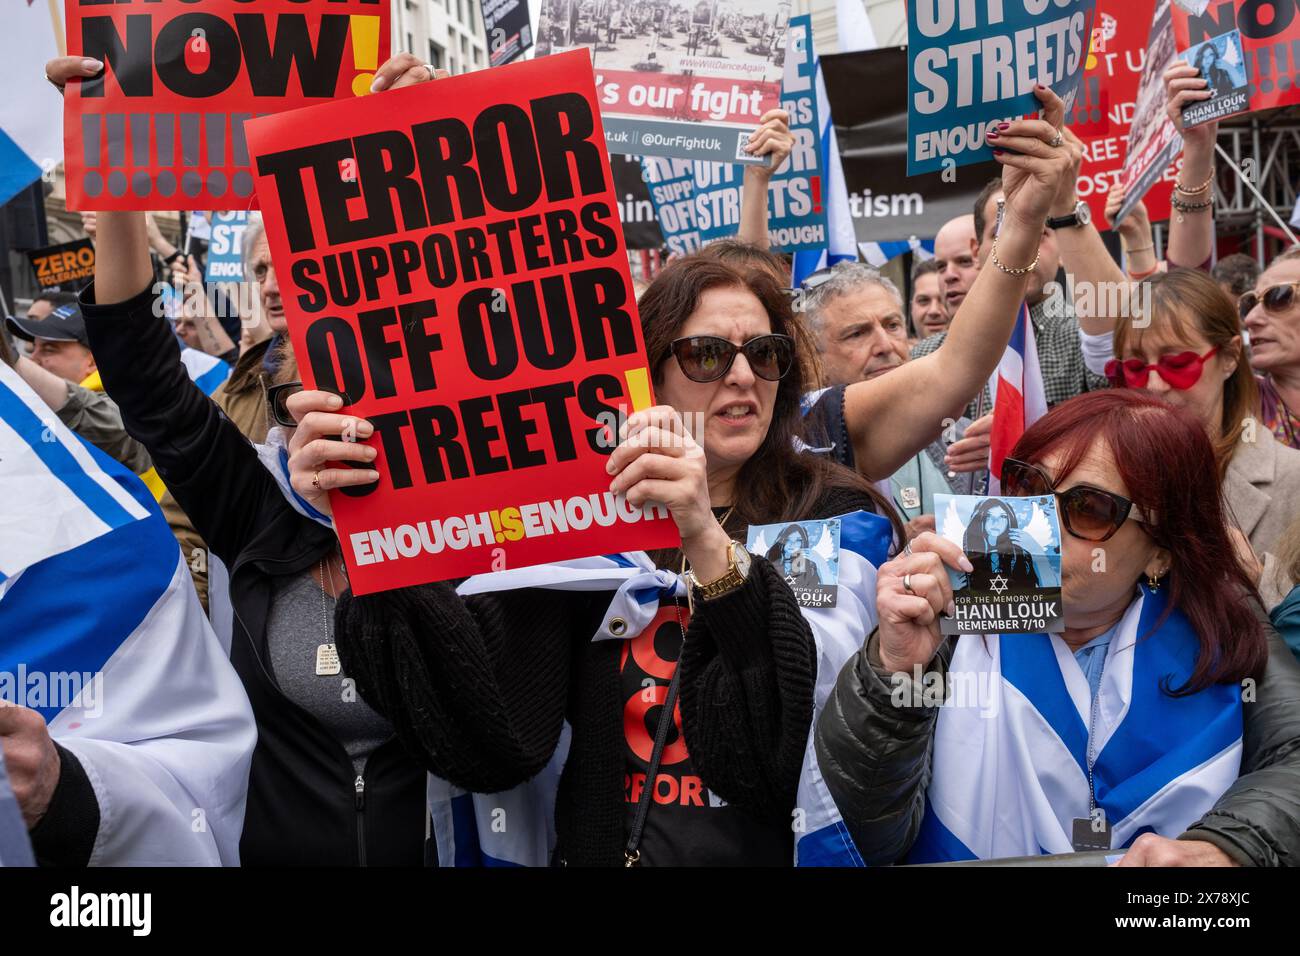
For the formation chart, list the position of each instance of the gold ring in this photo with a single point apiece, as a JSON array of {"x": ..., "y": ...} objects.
[{"x": 315, "y": 481}]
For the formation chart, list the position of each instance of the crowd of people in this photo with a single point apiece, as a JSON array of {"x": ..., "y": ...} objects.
[{"x": 1165, "y": 717}]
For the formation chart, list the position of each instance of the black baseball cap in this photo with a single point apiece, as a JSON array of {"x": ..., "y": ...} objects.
[{"x": 64, "y": 324}]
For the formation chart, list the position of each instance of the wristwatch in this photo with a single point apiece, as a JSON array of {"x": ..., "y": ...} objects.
[
  {"x": 735, "y": 576},
  {"x": 1081, "y": 216}
]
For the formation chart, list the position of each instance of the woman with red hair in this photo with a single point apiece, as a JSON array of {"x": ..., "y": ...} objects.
[{"x": 1161, "y": 722}]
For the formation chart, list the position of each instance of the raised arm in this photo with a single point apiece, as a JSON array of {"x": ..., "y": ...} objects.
[
  {"x": 1083, "y": 254},
  {"x": 1191, "y": 240},
  {"x": 917, "y": 397},
  {"x": 772, "y": 138}
]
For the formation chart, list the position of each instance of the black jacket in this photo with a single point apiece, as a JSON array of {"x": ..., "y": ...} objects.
[
  {"x": 481, "y": 687},
  {"x": 305, "y": 805},
  {"x": 875, "y": 758}
]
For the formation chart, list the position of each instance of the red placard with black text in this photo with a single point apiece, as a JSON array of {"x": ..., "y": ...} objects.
[
  {"x": 450, "y": 259},
  {"x": 162, "y": 127}
]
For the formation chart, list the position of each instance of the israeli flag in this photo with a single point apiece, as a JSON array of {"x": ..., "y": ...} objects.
[
  {"x": 1019, "y": 733},
  {"x": 31, "y": 111},
  {"x": 102, "y": 634},
  {"x": 206, "y": 371},
  {"x": 467, "y": 825}
]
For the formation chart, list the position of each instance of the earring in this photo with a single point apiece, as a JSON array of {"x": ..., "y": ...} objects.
[{"x": 1153, "y": 581}]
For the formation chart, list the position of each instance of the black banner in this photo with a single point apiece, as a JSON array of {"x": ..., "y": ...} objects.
[
  {"x": 868, "y": 97},
  {"x": 508, "y": 29},
  {"x": 70, "y": 264},
  {"x": 635, "y": 208}
]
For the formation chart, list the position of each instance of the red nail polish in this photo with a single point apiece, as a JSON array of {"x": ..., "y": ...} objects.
[
  {"x": 992, "y": 134},
  {"x": 1004, "y": 126},
  {"x": 997, "y": 152}
]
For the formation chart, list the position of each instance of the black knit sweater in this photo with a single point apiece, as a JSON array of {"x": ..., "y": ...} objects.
[{"x": 479, "y": 688}]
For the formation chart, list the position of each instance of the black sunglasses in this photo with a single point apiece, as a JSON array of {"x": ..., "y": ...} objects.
[
  {"x": 706, "y": 358},
  {"x": 277, "y": 397},
  {"x": 1086, "y": 512}
]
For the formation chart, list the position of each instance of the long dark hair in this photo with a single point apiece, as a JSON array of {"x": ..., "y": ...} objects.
[
  {"x": 1166, "y": 462},
  {"x": 976, "y": 539},
  {"x": 780, "y": 482}
]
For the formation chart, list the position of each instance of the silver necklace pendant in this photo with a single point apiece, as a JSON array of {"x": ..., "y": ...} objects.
[
  {"x": 327, "y": 654},
  {"x": 327, "y": 661}
]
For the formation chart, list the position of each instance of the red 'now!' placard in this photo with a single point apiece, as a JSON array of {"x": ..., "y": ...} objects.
[
  {"x": 451, "y": 260},
  {"x": 162, "y": 127}
]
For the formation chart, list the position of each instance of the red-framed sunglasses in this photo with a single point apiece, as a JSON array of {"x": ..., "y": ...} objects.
[{"x": 1179, "y": 371}]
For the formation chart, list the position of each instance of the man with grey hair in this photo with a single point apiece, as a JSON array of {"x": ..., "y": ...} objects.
[{"x": 856, "y": 315}]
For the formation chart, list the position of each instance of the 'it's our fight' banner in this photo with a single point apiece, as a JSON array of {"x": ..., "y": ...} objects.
[
  {"x": 450, "y": 260},
  {"x": 700, "y": 202},
  {"x": 974, "y": 63},
  {"x": 1270, "y": 42},
  {"x": 687, "y": 82},
  {"x": 163, "y": 126},
  {"x": 1107, "y": 100}
]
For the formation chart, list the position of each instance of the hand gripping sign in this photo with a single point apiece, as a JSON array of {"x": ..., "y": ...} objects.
[
  {"x": 975, "y": 62},
  {"x": 451, "y": 261},
  {"x": 163, "y": 126}
]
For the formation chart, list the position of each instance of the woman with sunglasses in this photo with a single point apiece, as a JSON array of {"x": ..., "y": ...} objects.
[
  {"x": 330, "y": 782},
  {"x": 1161, "y": 724},
  {"x": 1271, "y": 313},
  {"x": 1190, "y": 354},
  {"x": 483, "y": 687}
]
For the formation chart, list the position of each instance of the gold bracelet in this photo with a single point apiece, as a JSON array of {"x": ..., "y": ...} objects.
[
  {"x": 1199, "y": 189},
  {"x": 1014, "y": 272}
]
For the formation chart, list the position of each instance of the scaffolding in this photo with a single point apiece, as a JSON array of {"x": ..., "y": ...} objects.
[{"x": 1264, "y": 147}]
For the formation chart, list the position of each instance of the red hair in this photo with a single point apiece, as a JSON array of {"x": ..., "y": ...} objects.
[{"x": 1167, "y": 464}]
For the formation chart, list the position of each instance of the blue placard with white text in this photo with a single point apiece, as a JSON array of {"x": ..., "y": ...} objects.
[
  {"x": 974, "y": 63},
  {"x": 225, "y": 261}
]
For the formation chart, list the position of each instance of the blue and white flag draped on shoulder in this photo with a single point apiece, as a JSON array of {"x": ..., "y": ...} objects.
[
  {"x": 466, "y": 824},
  {"x": 101, "y": 633},
  {"x": 1010, "y": 759}
]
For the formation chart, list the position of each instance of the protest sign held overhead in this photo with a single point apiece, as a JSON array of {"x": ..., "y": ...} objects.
[
  {"x": 672, "y": 189},
  {"x": 508, "y": 28},
  {"x": 1223, "y": 67},
  {"x": 1154, "y": 142},
  {"x": 225, "y": 263},
  {"x": 688, "y": 82},
  {"x": 467, "y": 291},
  {"x": 796, "y": 215},
  {"x": 1014, "y": 547},
  {"x": 163, "y": 125},
  {"x": 68, "y": 264},
  {"x": 1103, "y": 110},
  {"x": 1266, "y": 35},
  {"x": 868, "y": 96},
  {"x": 974, "y": 64}
]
